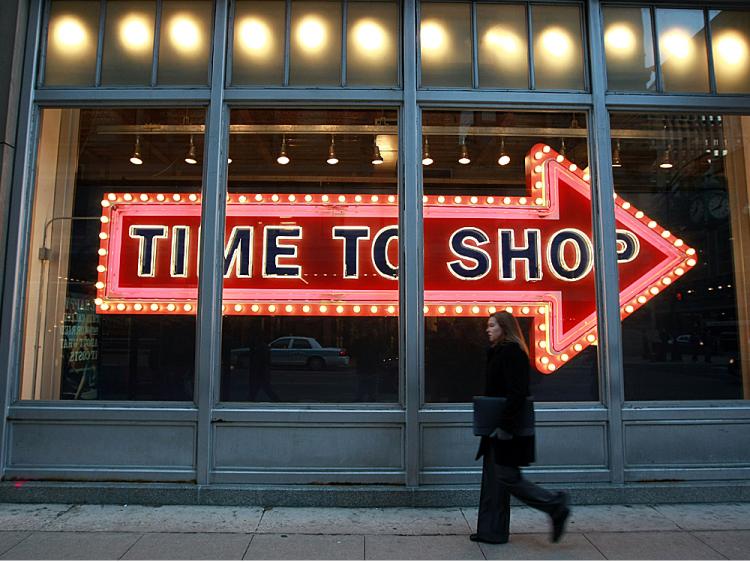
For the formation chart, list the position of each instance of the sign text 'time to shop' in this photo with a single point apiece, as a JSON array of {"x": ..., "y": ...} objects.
[{"x": 337, "y": 255}]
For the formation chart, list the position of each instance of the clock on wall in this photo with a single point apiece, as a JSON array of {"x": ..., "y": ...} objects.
[{"x": 717, "y": 205}]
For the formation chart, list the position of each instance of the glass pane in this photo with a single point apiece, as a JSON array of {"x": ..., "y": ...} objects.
[
  {"x": 503, "y": 46},
  {"x": 185, "y": 42},
  {"x": 507, "y": 226},
  {"x": 112, "y": 279},
  {"x": 730, "y": 38},
  {"x": 315, "y": 44},
  {"x": 72, "y": 40},
  {"x": 128, "y": 43},
  {"x": 558, "y": 48},
  {"x": 445, "y": 44},
  {"x": 629, "y": 45},
  {"x": 310, "y": 283},
  {"x": 685, "y": 326},
  {"x": 258, "y": 56},
  {"x": 682, "y": 50},
  {"x": 372, "y": 44}
]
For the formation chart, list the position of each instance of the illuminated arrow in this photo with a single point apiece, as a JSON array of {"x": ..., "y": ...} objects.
[{"x": 469, "y": 243}]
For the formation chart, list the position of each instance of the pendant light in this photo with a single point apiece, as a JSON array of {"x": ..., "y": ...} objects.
[
  {"x": 503, "y": 159},
  {"x": 190, "y": 156},
  {"x": 136, "y": 159},
  {"x": 426, "y": 158},
  {"x": 616, "y": 162},
  {"x": 283, "y": 157},
  {"x": 463, "y": 154},
  {"x": 332, "y": 158},
  {"x": 563, "y": 148},
  {"x": 665, "y": 162},
  {"x": 377, "y": 159}
]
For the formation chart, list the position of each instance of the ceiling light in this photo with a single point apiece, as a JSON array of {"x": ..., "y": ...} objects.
[
  {"x": 666, "y": 161},
  {"x": 463, "y": 156},
  {"x": 283, "y": 158},
  {"x": 426, "y": 158},
  {"x": 190, "y": 156},
  {"x": 332, "y": 158},
  {"x": 503, "y": 159},
  {"x": 377, "y": 159},
  {"x": 136, "y": 159},
  {"x": 616, "y": 162}
]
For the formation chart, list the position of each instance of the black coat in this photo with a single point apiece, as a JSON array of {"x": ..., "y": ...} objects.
[{"x": 507, "y": 375}]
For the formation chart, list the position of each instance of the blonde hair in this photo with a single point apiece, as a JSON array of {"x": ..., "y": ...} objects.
[{"x": 511, "y": 329}]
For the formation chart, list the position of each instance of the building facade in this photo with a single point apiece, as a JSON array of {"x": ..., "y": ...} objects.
[{"x": 254, "y": 243}]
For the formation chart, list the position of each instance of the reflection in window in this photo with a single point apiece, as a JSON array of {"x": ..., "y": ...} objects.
[
  {"x": 72, "y": 40},
  {"x": 445, "y": 44},
  {"x": 479, "y": 200},
  {"x": 688, "y": 173},
  {"x": 682, "y": 50},
  {"x": 93, "y": 328},
  {"x": 310, "y": 284},
  {"x": 730, "y": 38},
  {"x": 629, "y": 46}
]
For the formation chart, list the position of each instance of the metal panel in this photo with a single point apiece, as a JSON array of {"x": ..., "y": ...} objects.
[
  {"x": 651, "y": 102},
  {"x": 544, "y": 412},
  {"x": 704, "y": 443},
  {"x": 658, "y": 411},
  {"x": 107, "y": 445},
  {"x": 563, "y": 446},
  {"x": 66, "y": 411},
  {"x": 328, "y": 447},
  {"x": 304, "y": 416}
]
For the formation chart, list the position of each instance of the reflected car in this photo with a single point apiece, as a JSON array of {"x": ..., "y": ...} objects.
[{"x": 300, "y": 351}]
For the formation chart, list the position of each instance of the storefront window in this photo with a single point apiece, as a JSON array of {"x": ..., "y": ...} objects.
[
  {"x": 730, "y": 40},
  {"x": 311, "y": 257},
  {"x": 503, "y": 46},
  {"x": 445, "y": 44},
  {"x": 685, "y": 325},
  {"x": 112, "y": 280},
  {"x": 507, "y": 213},
  {"x": 72, "y": 39},
  {"x": 558, "y": 47}
]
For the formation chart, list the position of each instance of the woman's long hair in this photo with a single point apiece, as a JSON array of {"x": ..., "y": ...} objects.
[{"x": 511, "y": 329}]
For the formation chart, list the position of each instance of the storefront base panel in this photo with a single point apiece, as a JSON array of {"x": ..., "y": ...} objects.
[{"x": 354, "y": 496}]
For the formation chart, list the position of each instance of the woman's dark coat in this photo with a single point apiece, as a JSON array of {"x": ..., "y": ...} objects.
[{"x": 507, "y": 375}]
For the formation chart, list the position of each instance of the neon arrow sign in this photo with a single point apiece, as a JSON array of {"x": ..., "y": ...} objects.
[{"x": 292, "y": 254}]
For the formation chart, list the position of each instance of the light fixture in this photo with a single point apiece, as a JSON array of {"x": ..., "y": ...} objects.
[
  {"x": 190, "y": 156},
  {"x": 377, "y": 159},
  {"x": 563, "y": 148},
  {"x": 426, "y": 158},
  {"x": 283, "y": 158},
  {"x": 136, "y": 159},
  {"x": 229, "y": 160},
  {"x": 463, "y": 156},
  {"x": 332, "y": 159},
  {"x": 616, "y": 162},
  {"x": 503, "y": 159},
  {"x": 666, "y": 161}
]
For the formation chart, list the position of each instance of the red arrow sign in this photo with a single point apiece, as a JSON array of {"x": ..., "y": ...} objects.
[{"x": 337, "y": 255}]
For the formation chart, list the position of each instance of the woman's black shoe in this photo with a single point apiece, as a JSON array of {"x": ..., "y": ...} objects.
[
  {"x": 476, "y": 538},
  {"x": 560, "y": 518}
]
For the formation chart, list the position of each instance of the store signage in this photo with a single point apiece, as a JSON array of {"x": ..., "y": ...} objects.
[{"x": 337, "y": 255}]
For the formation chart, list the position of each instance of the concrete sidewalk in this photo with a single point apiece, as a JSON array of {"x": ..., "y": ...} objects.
[{"x": 130, "y": 532}]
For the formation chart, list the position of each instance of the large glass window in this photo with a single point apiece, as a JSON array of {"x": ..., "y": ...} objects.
[
  {"x": 507, "y": 215},
  {"x": 682, "y": 183},
  {"x": 112, "y": 279},
  {"x": 311, "y": 257}
]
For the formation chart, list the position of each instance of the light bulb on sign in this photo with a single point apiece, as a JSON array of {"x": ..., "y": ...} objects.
[
  {"x": 619, "y": 39},
  {"x": 135, "y": 34},
  {"x": 312, "y": 34},
  {"x": 184, "y": 33},
  {"x": 556, "y": 42},
  {"x": 677, "y": 43},
  {"x": 70, "y": 35},
  {"x": 732, "y": 48},
  {"x": 255, "y": 36},
  {"x": 369, "y": 36}
]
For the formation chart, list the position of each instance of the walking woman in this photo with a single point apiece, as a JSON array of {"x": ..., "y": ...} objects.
[{"x": 504, "y": 453}]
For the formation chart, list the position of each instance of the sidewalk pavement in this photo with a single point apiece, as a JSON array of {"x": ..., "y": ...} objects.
[{"x": 595, "y": 532}]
